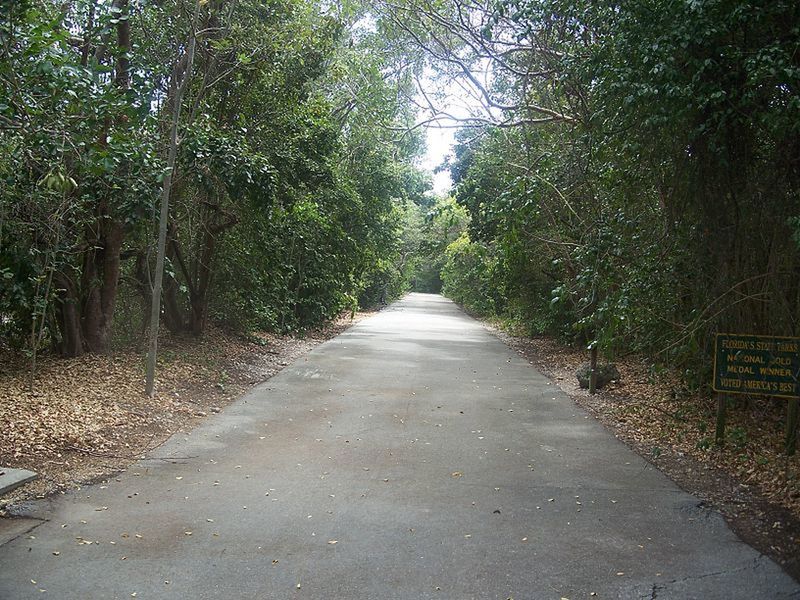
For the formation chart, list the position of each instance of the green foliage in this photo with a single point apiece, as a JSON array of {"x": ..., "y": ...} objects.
[
  {"x": 704, "y": 443},
  {"x": 470, "y": 277},
  {"x": 433, "y": 225},
  {"x": 78, "y": 165},
  {"x": 283, "y": 273},
  {"x": 289, "y": 196},
  {"x": 663, "y": 208},
  {"x": 331, "y": 234},
  {"x": 738, "y": 437},
  {"x": 667, "y": 210}
]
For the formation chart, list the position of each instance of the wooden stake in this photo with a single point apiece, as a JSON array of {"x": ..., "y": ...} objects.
[
  {"x": 792, "y": 411},
  {"x": 593, "y": 371},
  {"x": 722, "y": 405}
]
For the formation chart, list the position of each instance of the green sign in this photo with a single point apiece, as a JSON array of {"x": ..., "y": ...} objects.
[{"x": 755, "y": 364}]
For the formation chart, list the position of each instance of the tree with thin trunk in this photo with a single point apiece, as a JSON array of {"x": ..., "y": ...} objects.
[{"x": 178, "y": 82}]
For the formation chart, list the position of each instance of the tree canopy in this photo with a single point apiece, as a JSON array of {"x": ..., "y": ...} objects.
[
  {"x": 631, "y": 170},
  {"x": 626, "y": 173},
  {"x": 289, "y": 184}
]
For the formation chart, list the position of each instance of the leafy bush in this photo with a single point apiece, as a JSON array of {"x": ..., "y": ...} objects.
[{"x": 470, "y": 277}]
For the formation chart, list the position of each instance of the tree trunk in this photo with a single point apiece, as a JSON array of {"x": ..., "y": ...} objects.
[
  {"x": 196, "y": 272},
  {"x": 122, "y": 70},
  {"x": 173, "y": 314},
  {"x": 200, "y": 297},
  {"x": 144, "y": 287},
  {"x": 85, "y": 310},
  {"x": 68, "y": 314},
  {"x": 155, "y": 309},
  {"x": 101, "y": 278},
  {"x": 197, "y": 318}
]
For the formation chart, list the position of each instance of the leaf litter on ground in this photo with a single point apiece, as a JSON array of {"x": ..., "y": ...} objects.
[
  {"x": 749, "y": 480},
  {"x": 87, "y": 418}
]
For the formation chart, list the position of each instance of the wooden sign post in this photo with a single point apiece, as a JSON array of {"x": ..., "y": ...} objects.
[
  {"x": 758, "y": 365},
  {"x": 791, "y": 426},
  {"x": 722, "y": 410}
]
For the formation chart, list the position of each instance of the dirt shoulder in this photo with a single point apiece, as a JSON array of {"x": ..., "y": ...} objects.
[
  {"x": 87, "y": 418},
  {"x": 749, "y": 481}
]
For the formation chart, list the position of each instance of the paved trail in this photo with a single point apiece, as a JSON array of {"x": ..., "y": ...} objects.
[{"x": 413, "y": 457}]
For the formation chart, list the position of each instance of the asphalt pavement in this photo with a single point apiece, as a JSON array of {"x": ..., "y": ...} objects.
[{"x": 415, "y": 456}]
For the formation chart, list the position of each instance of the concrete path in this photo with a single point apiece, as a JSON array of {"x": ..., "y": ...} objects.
[
  {"x": 13, "y": 478},
  {"x": 413, "y": 457}
]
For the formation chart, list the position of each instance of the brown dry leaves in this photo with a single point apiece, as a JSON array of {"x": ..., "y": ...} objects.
[
  {"x": 749, "y": 481},
  {"x": 89, "y": 417},
  {"x": 654, "y": 413},
  {"x": 38, "y": 421}
]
